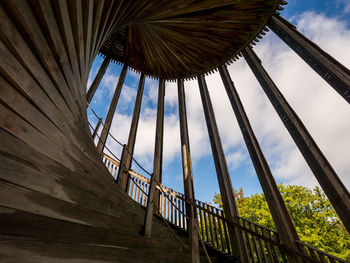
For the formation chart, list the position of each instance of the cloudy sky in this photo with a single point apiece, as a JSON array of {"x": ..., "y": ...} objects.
[{"x": 325, "y": 114}]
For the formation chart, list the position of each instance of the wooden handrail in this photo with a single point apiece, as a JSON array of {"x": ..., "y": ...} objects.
[{"x": 213, "y": 226}]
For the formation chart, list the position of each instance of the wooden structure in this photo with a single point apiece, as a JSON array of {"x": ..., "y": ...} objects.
[{"x": 58, "y": 201}]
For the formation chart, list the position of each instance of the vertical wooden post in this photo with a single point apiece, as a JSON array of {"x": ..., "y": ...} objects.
[
  {"x": 153, "y": 195},
  {"x": 111, "y": 111},
  {"x": 96, "y": 129},
  {"x": 97, "y": 79},
  {"x": 323, "y": 171},
  {"x": 128, "y": 150},
  {"x": 187, "y": 174},
  {"x": 226, "y": 190},
  {"x": 325, "y": 65},
  {"x": 158, "y": 148},
  {"x": 274, "y": 199}
]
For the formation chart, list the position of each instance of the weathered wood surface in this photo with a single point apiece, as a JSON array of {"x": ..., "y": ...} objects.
[
  {"x": 56, "y": 196},
  {"x": 223, "y": 175},
  {"x": 187, "y": 174},
  {"x": 325, "y": 65},
  {"x": 111, "y": 110},
  {"x": 318, "y": 163},
  {"x": 156, "y": 178},
  {"x": 274, "y": 199},
  {"x": 94, "y": 85},
  {"x": 163, "y": 37},
  {"x": 128, "y": 150}
]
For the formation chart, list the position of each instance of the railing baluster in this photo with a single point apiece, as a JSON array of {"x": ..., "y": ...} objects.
[
  {"x": 228, "y": 244},
  {"x": 220, "y": 225},
  {"x": 312, "y": 254},
  {"x": 281, "y": 249},
  {"x": 216, "y": 222},
  {"x": 175, "y": 210},
  {"x": 172, "y": 210},
  {"x": 267, "y": 246},
  {"x": 321, "y": 257},
  {"x": 181, "y": 215},
  {"x": 184, "y": 209},
  {"x": 142, "y": 194},
  {"x": 164, "y": 204},
  {"x": 206, "y": 222},
  {"x": 263, "y": 254},
  {"x": 210, "y": 225},
  {"x": 135, "y": 189},
  {"x": 275, "y": 254},
  {"x": 213, "y": 228},
  {"x": 248, "y": 241},
  {"x": 201, "y": 216},
  {"x": 169, "y": 205},
  {"x": 115, "y": 172},
  {"x": 111, "y": 169},
  {"x": 131, "y": 186},
  {"x": 254, "y": 243},
  {"x": 146, "y": 191}
]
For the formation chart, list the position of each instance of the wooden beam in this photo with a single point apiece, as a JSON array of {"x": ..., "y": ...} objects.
[
  {"x": 321, "y": 62},
  {"x": 97, "y": 79},
  {"x": 274, "y": 199},
  {"x": 224, "y": 179},
  {"x": 96, "y": 129},
  {"x": 187, "y": 174},
  {"x": 128, "y": 150},
  {"x": 111, "y": 111},
  {"x": 153, "y": 195},
  {"x": 323, "y": 171}
]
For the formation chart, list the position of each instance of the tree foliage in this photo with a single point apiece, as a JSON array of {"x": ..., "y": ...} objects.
[{"x": 312, "y": 213}]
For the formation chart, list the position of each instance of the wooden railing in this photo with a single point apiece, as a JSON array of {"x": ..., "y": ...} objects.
[
  {"x": 315, "y": 255},
  {"x": 260, "y": 244},
  {"x": 213, "y": 226}
]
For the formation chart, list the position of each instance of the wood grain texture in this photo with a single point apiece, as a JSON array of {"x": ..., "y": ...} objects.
[
  {"x": 181, "y": 39},
  {"x": 54, "y": 188}
]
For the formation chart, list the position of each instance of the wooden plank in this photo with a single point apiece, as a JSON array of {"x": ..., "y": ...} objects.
[
  {"x": 248, "y": 239},
  {"x": 97, "y": 79},
  {"x": 274, "y": 198},
  {"x": 224, "y": 179},
  {"x": 111, "y": 110},
  {"x": 319, "y": 165},
  {"x": 322, "y": 63},
  {"x": 128, "y": 150}
]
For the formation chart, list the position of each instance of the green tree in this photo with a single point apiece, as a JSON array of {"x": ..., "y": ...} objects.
[{"x": 312, "y": 213}]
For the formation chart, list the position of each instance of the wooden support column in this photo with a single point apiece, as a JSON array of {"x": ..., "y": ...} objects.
[
  {"x": 96, "y": 129},
  {"x": 111, "y": 111},
  {"x": 153, "y": 195},
  {"x": 325, "y": 65},
  {"x": 226, "y": 190},
  {"x": 273, "y": 196},
  {"x": 128, "y": 150},
  {"x": 187, "y": 174},
  {"x": 97, "y": 79},
  {"x": 323, "y": 171}
]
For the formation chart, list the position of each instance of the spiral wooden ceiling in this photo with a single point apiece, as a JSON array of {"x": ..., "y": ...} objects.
[{"x": 184, "y": 38}]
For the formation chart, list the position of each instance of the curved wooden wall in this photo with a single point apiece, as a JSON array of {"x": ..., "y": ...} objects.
[{"x": 49, "y": 165}]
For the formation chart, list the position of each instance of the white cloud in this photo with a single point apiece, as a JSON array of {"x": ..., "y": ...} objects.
[
  {"x": 346, "y": 5},
  {"x": 235, "y": 159},
  {"x": 322, "y": 110}
]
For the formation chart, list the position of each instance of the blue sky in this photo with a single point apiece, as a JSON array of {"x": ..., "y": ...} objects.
[{"x": 323, "y": 112}]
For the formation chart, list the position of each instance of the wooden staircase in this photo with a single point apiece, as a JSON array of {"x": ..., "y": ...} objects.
[{"x": 94, "y": 236}]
